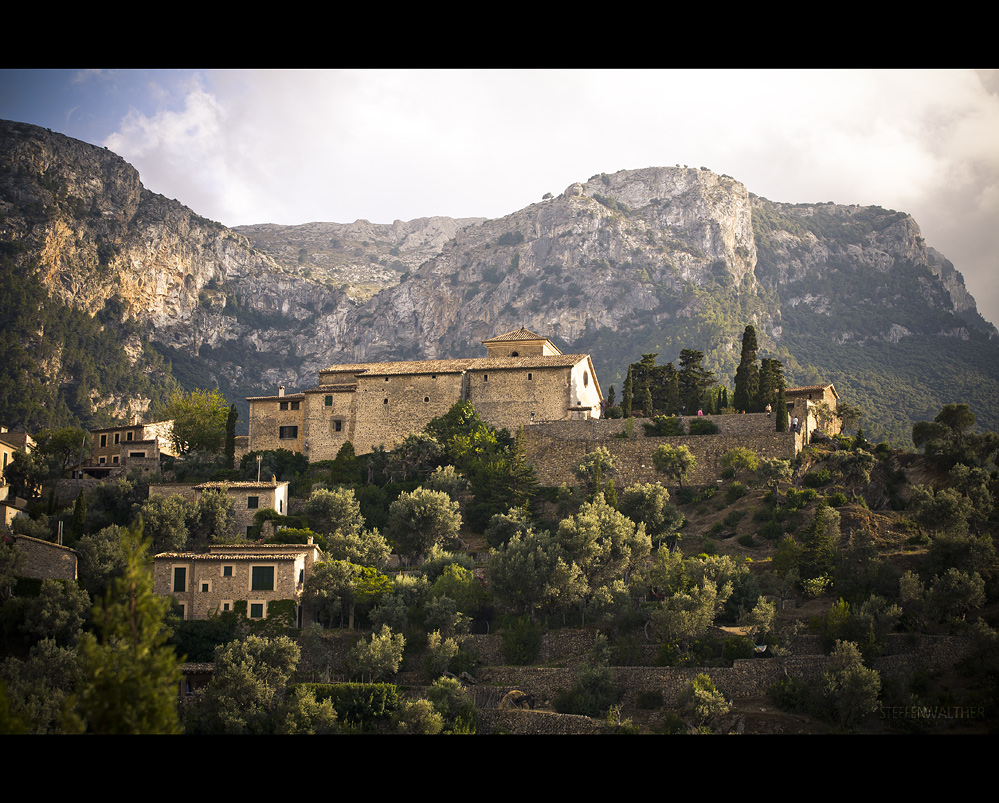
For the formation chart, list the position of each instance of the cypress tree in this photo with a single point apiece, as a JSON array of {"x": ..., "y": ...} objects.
[
  {"x": 230, "y": 437},
  {"x": 79, "y": 518},
  {"x": 649, "y": 411},
  {"x": 747, "y": 375},
  {"x": 627, "y": 398},
  {"x": 672, "y": 393},
  {"x": 780, "y": 408}
]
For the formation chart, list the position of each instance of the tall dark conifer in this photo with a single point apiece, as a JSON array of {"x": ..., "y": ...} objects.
[
  {"x": 230, "y": 437},
  {"x": 780, "y": 407},
  {"x": 628, "y": 396},
  {"x": 694, "y": 380},
  {"x": 771, "y": 380},
  {"x": 747, "y": 375}
]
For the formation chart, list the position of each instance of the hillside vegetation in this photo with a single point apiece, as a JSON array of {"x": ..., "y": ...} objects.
[{"x": 859, "y": 578}]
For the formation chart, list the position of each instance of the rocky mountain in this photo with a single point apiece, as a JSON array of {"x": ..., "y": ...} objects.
[
  {"x": 639, "y": 261},
  {"x": 361, "y": 258}
]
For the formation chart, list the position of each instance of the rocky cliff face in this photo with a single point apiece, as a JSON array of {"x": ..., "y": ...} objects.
[
  {"x": 594, "y": 257},
  {"x": 637, "y": 261},
  {"x": 361, "y": 258}
]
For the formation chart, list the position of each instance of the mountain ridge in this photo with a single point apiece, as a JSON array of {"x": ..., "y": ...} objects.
[{"x": 638, "y": 261}]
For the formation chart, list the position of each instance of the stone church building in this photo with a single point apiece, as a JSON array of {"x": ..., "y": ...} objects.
[{"x": 525, "y": 379}]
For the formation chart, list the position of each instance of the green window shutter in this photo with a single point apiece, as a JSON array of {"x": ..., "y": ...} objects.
[{"x": 262, "y": 578}]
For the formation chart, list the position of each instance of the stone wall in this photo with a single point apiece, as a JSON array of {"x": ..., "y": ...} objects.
[
  {"x": 556, "y": 448},
  {"x": 746, "y": 678},
  {"x": 390, "y": 407},
  {"x": 67, "y": 491},
  {"x": 329, "y": 420},
  {"x": 45, "y": 560},
  {"x": 268, "y": 422},
  {"x": 536, "y": 723}
]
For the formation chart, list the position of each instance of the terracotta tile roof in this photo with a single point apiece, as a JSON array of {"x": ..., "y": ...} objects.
[
  {"x": 457, "y": 366},
  {"x": 811, "y": 389},
  {"x": 519, "y": 334},
  {"x": 228, "y": 557},
  {"x": 18, "y": 536},
  {"x": 286, "y": 397},
  {"x": 344, "y": 387},
  {"x": 239, "y": 484}
]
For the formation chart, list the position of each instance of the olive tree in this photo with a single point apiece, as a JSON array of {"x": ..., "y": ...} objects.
[
  {"x": 422, "y": 519},
  {"x": 675, "y": 462}
]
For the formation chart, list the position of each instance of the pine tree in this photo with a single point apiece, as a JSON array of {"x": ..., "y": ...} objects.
[
  {"x": 693, "y": 380},
  {"x": 132, "y": 673},
  {"x": 747, "y": 376}
]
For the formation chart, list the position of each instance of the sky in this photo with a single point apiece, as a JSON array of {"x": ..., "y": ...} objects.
[{"x": 296, "y": 146}]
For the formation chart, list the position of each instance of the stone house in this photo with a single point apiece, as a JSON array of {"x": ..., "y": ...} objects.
[
  {"x": 208, "y": 583},
  {"x": 247, "y": 497},
  {"x": 10, "y": 443},
  {"x": 801, "y": 403},
  {"x": 524, "y": 379},
  {"x": 135, "y": 445},
  {"x": 45, "y": 560}
]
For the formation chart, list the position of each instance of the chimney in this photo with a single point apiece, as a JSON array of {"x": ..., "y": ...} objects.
[{"x": 280, "y": 390}]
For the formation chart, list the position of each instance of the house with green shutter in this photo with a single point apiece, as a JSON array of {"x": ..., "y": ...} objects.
[{"x": 248, "y": 578}]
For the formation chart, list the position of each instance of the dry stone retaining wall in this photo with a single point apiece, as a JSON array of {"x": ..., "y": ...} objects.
[
  {"x": 556, "y": 448},
  {"x": 750, "y": 677}
]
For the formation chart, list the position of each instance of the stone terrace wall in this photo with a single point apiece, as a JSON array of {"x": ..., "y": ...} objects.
[
  {"x": 557, "y": 447},
  {"x": 751, "y": 677}
]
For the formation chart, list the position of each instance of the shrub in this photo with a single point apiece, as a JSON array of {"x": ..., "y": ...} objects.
[
  {"x": 664, "y": 426},
  {"x": 454, "y": 704},
  {"x": 791, "y": 694},
  {"x": 418, "y": 717},
  {"x": 702, "y": 426},
  {"x": 591, "y": 696},
  {"x": 673, "y": 725},
  {"x": 521, "y": 640},
  {"x": 734, "y": 517},
  {"x": 735, "y": 491},
  {"x": 798, "y": 499},
  {"x": 816, "y": 479},
  {"x": 704, "y": 702},
  {"x": 746, "y": 540},
  {"x": 440, "y": 652},
  {"x": 358, "y": 704},
  {"x": 378, "y": 658},
  {"x": 737, "y": 647},
  {"x": 771, "y": 531},
  {"x": 837, "y": 499},
  {"x": 648, "y": 700}
]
